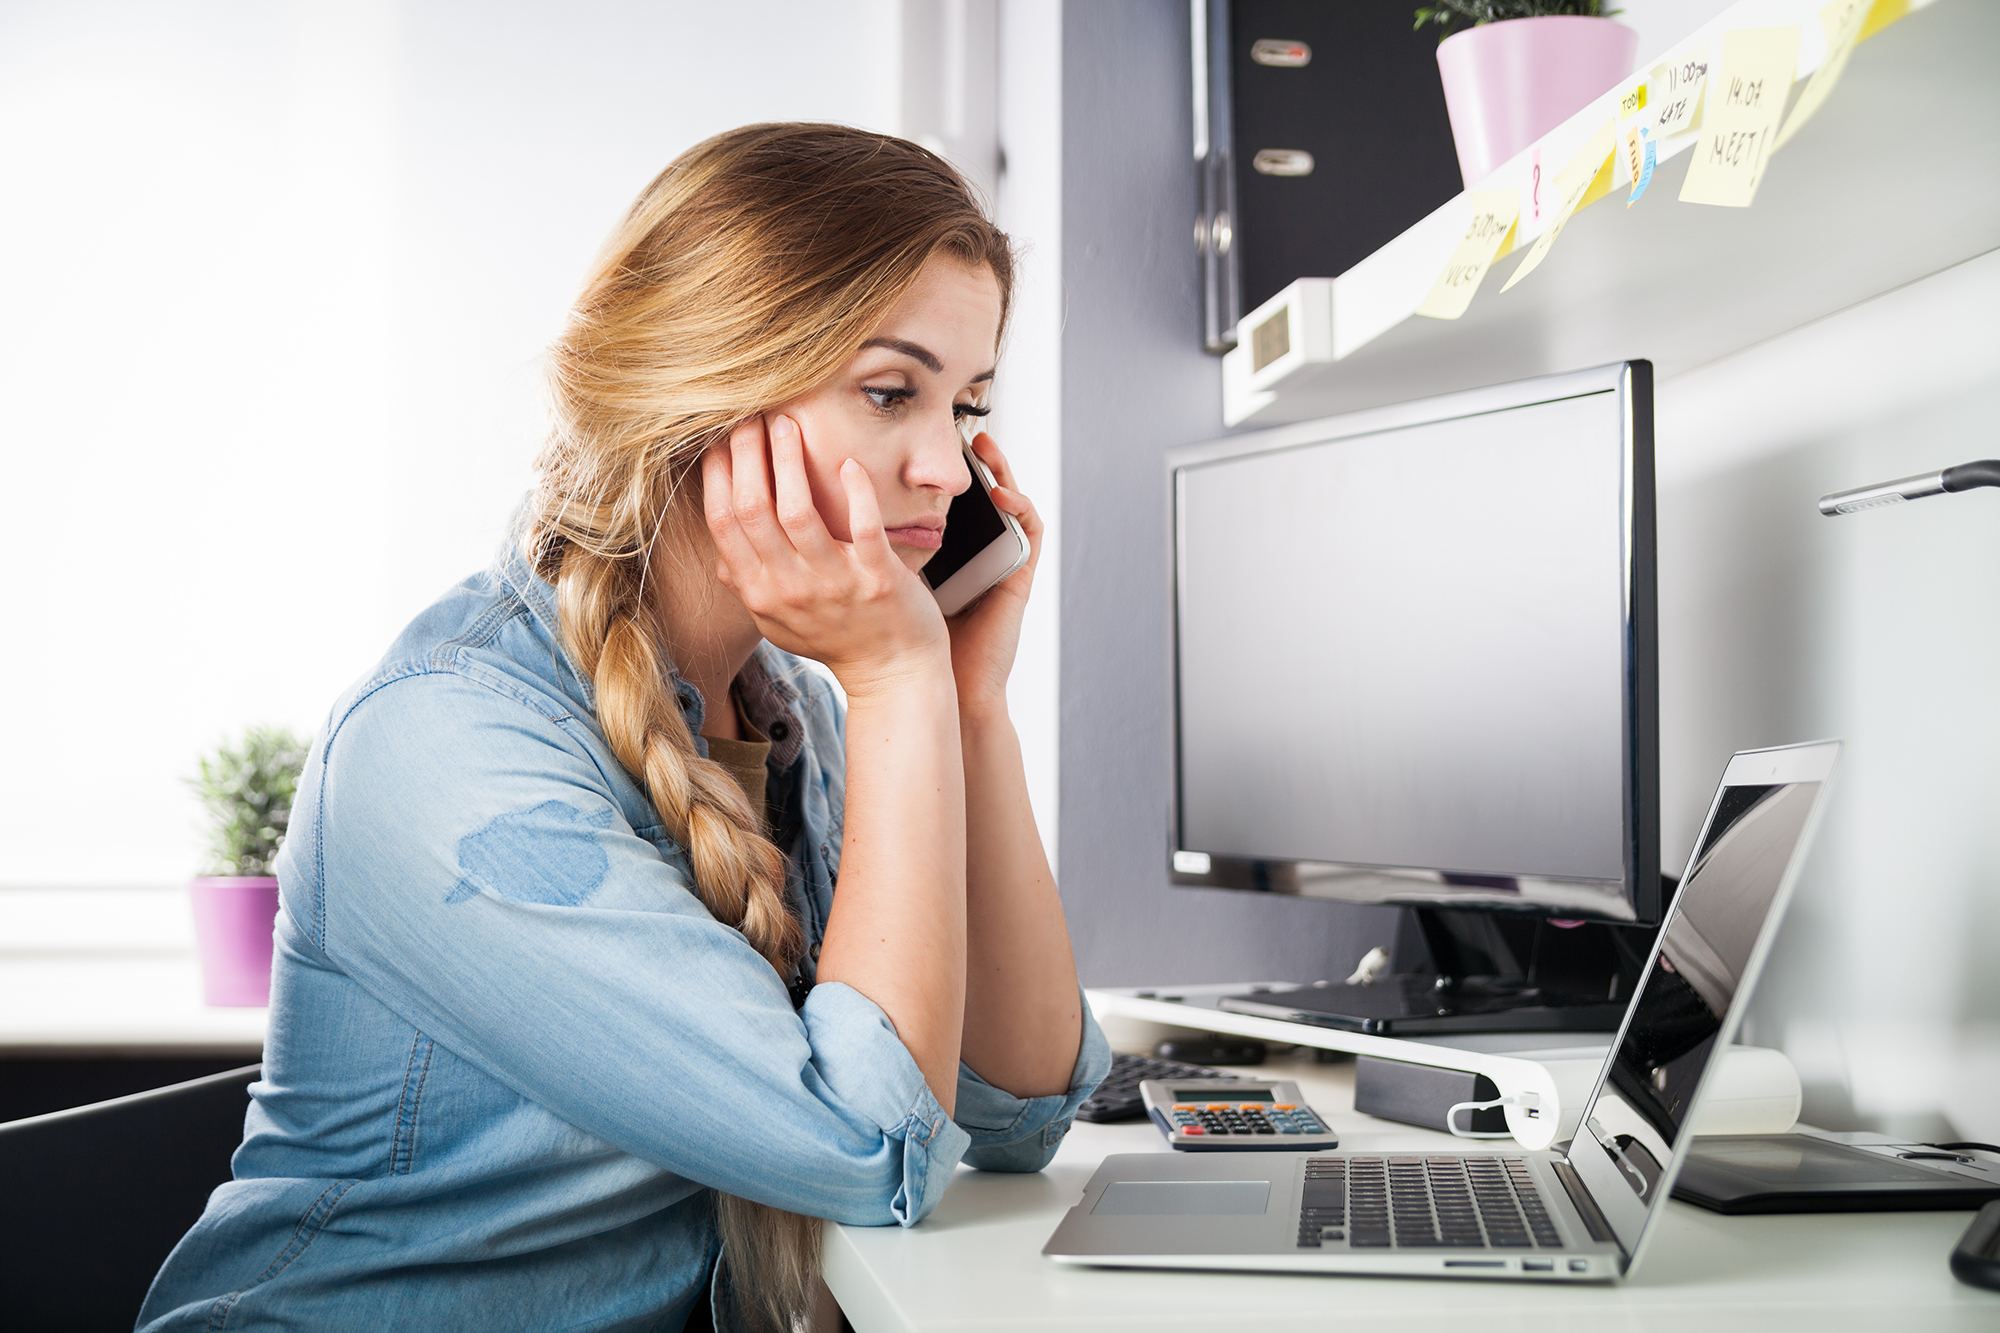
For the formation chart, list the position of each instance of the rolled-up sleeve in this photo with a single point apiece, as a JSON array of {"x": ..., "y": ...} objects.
[
  {"x": 856, "y": 1051},
  {"x": 1010, "y": 1133}
]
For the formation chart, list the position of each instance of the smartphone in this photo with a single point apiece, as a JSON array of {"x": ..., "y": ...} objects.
[{"x": 981, "y": 545}]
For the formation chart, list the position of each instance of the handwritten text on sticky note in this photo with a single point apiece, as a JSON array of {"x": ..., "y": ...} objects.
[
  {"x": 1676, "y": 93},
  {"x": 1741, "y": 119},
  {"x": 1492, "y": 224},
  {"x": 1571, "y": 184}
]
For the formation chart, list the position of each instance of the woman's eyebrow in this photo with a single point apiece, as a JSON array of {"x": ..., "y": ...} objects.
[
  {"x": 917, "y": 352},
  {"x": 922, "y": 355}
]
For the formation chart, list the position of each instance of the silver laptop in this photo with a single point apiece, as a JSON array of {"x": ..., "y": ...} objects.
[{"x": 1580, "y": 1215}]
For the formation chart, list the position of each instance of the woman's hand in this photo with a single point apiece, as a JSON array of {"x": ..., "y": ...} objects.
[
  {"x": 985, "y": 637},
  {"x": 852, "y": 605}
]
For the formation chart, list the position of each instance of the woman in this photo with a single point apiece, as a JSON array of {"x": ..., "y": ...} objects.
[{"x": 565, "y": 1002}]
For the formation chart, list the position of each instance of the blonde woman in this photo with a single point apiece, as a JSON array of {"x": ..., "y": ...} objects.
[{"x": 566, "y": 1003}]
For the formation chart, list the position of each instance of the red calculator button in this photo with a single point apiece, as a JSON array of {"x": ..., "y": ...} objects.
[{"x": 1193, "y": 1129}]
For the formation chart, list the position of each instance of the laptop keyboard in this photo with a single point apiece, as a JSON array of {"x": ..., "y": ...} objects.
[{"x": 1424, "y": 1202}]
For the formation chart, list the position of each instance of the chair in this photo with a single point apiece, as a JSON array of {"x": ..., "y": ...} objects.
[{"x": 93, "y": 1199}]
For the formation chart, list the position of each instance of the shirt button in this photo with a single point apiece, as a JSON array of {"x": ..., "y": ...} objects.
[{"x": 815, "y": 953}]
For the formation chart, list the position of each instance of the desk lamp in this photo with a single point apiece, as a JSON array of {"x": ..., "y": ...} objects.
[
  {"x": 1985, "y": 472},
  {"x": 1977, "y": 1258}
]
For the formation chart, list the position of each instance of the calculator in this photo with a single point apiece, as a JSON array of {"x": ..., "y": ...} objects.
[{"x": 1235, "y": 1115}]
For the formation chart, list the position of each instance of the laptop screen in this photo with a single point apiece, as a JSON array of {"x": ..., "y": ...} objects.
[{"x": 1707, "y": 953}]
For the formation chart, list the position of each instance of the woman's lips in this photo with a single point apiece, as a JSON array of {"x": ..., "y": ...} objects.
[{"x": 923, "y": 536}]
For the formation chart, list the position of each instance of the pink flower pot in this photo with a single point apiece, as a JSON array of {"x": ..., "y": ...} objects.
[
  {"x": 1507, "y": 84},
  {"x": 233, "y": 918}
]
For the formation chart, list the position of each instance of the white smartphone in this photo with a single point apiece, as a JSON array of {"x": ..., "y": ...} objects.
[{"x": 981, "y": 545}]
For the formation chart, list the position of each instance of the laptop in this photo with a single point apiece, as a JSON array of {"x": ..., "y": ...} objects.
[{"x": 1584, "y": 1214}]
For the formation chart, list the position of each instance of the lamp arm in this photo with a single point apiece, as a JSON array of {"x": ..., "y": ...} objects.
[{"x": 1984, "y": 472}]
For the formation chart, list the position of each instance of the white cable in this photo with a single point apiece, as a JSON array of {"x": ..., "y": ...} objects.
[{"x": 1451, "y": 1118}]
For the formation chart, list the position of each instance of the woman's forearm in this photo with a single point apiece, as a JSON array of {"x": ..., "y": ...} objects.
[
  {"x": 1023, "y": 1017},
  {"x": 898, "y": 927}
]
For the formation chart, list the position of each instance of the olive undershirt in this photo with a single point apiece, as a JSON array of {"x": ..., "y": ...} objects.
[{"x": 745, "y": 760}]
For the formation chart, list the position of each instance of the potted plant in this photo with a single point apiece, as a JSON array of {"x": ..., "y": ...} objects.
[
  {"x": 1522, "y": 68},
  {"x": 248, "y": 789}
]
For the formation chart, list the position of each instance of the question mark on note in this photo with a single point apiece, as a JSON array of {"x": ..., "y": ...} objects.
[{"x": 1535, "y": 191}]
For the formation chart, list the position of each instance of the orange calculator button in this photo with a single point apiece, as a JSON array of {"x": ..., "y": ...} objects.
[
  {"x": 1193, "y": 1129},
  {"x": 1285, "y": 1106}
]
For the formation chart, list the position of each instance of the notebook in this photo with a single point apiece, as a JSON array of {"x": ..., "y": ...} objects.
[{"x": 1584, "y": 1214}]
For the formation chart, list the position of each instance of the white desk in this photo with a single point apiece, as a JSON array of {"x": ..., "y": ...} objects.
[{"x": 976, "y": 1265}]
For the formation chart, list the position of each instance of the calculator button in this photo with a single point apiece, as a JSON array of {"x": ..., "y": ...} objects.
[
  {"x": 1193, "y": 1129},
  {"x": 1285, "y": 1106}
]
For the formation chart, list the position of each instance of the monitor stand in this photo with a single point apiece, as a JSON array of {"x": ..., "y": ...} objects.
[{"x": 1484, "y": 972}]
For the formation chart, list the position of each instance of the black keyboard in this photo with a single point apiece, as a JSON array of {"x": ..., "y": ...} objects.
[
  {"x": 1117, "y": 1098},
  {"x": 1424, "y": 1202}
]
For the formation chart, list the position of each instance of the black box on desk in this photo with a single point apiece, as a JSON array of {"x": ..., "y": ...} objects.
[{"x": 1422, "y": 1094}]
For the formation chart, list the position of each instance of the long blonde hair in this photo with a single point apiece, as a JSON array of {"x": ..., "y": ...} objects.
[{"x": 748, "y": 273}]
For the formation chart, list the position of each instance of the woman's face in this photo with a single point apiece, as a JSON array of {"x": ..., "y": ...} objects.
[{"x": 894, "y": 407}]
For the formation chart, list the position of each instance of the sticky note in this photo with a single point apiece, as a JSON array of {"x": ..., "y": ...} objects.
[
  {"x": 1589, "y": 173},
  {"x": 1842, "y": 21},
  {"x": 1676, "y": 92},
  {"x": 1645, "y": 157},
  {"x": 1487, "y": 236},
  {"x": 1744, "y": 105}
]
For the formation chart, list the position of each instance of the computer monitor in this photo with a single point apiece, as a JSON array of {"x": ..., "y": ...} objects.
[{"x": 1414, "y": 663}]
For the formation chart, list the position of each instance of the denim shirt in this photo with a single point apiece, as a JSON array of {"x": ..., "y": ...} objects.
[{"x": 511, "y": 1054}]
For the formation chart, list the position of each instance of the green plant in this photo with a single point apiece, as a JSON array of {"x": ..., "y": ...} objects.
[
  {"x": 1447, "y": 12},
  {"x": 248, "y": 789}
]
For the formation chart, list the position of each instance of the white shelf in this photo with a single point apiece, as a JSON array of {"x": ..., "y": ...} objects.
[{"x": 1896, "y": 177}]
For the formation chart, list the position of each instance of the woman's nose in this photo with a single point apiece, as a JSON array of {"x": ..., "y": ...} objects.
[{"x": 939, "y": 460}]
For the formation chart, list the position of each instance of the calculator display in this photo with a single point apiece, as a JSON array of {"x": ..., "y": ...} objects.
[{"x": 1223, "y": 1095}]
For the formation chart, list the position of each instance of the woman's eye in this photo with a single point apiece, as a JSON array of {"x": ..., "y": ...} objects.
[
  {"x": 960, "y": 411},
  {"x": 888, "y": 400}
]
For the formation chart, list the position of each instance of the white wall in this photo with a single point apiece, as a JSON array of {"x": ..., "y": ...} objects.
[
  {"x": 1027, "y": 417},
  {"x": 1880, "y": 628},
  {"x": 274, "y": 281}
]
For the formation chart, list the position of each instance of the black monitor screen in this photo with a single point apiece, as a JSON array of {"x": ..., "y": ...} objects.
[{"x": 1408, "y": 662}]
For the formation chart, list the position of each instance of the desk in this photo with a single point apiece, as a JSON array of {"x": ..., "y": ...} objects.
[{"x": 975, "y": 1265}]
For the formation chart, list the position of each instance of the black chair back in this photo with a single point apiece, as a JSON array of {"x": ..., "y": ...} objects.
[{"x": 93, "y": 1199}]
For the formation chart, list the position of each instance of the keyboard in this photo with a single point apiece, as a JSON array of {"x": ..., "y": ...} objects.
[
  {"x": 1117, "y": 1098},
  {"x": 1485, "y": 1202}
]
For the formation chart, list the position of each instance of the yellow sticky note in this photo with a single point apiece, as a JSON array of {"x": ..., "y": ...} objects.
[
  {"x": 1842, "y": 20},
  {"x": 1741, "y": 119},
  {"x": 1589, "y": 173},
  {"x": 1676, "y": 86},
  {"x": 1485, "y": 239}
]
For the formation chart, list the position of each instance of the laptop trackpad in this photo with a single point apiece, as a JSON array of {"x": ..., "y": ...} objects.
[{"x": 1155, "y": 1198}]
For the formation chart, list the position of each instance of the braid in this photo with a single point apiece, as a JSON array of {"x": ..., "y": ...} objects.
[{"x": 738, "y": 873}]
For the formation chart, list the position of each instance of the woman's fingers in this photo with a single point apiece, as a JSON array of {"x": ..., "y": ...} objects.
[
  {"x": 864, "y": 518},
  {"x": 1006, "y": 498},
  {"x": 996, "y": 462},
  {"x": 797, "y": 515},
  {"x": 750, "y": 490},
  {"x": 739, "y": 558}
]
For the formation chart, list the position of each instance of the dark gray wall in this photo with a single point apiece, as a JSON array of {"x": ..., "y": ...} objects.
[{"x": 1135, "y": 384}]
